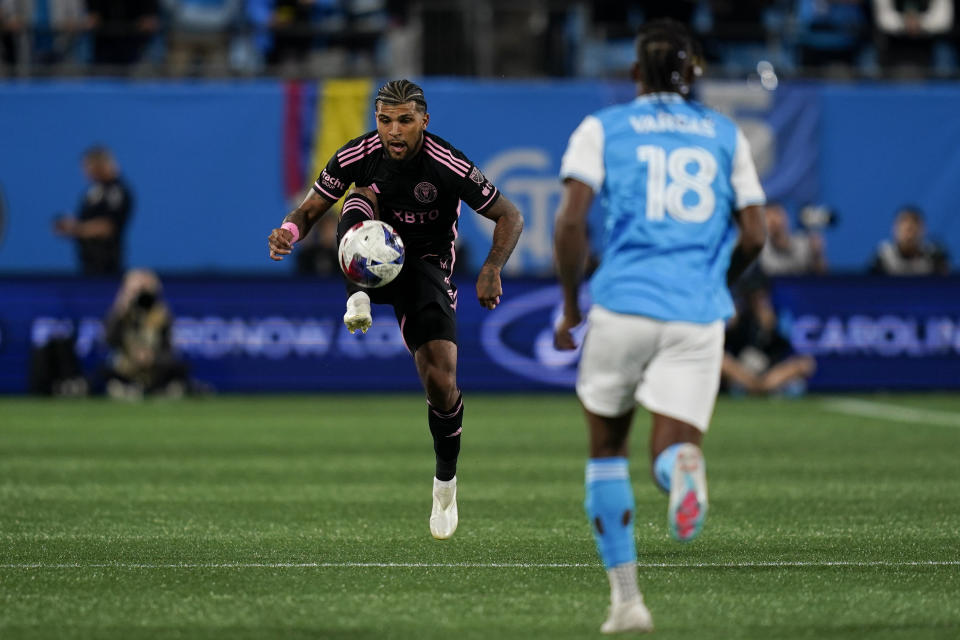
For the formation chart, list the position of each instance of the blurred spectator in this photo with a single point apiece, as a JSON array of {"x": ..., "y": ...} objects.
[
  {"x": 39, "y": 31},
  {"x": 293, "y": 30},
  {"x": 788, "y": 253},
  {"x": 318, "y": 253},
  {"x": 830, "y": 31},
  {"x": 200, "y": 34},
  {"x": 758, "y": 359},
  {"x": 288, "y": 32},
  {"x": 121, "y": 30},
  {"x": 15, "y": 20},
  {"x": 909, "y": 253},
  {"x": 738, "y": 34},
  {"x": 679, "y": 10},
  {"x": 54, "y": 367},
  {"x": 367, "y": 21},
  {"x": 908, "y": 30},
  {"x": 105, "y": 209},
  {"x": 138, "y": 331}
]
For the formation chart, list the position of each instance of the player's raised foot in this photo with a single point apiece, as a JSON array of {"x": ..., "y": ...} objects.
[
  {"x": 631, "y": 615},
  {"x": 687, "y": 509},
  {"x": 358, "y": 312},
  {"x": 443, "y": 517}
]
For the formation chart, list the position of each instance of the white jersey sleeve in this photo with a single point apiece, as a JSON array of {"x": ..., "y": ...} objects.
[
  {"x": 746, "y": 185},
  {"x": 583, "y": 159}
]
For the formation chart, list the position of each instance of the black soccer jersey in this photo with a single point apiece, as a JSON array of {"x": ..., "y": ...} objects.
[
  {"x": 111, "y": 200},
  {"x": 419, "y": 197}
]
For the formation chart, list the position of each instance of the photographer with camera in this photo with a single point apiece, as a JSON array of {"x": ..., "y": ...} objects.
[
  {"x": 100, "y": 222},
  {"x": 789, "y": 253},
  {"x": 909, "y": 252},
  {"x": 138, "y": 330}
]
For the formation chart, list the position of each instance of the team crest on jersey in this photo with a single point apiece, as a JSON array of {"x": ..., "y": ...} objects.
[
  {"x": 477, "y": 176},
  {"x": 425, "y": 192}
]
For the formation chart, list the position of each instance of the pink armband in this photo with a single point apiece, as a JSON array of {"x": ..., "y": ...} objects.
[{"x": 292, "y": 228}]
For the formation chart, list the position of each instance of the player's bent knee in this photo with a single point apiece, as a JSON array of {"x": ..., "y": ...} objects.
[{"x": 440, "y": 386}]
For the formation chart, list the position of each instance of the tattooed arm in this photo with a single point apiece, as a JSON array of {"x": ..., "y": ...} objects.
[{"x": 509, "y": 224}]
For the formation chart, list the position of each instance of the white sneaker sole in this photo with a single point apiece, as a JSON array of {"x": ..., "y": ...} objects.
[{"x": 687, "y": 509}]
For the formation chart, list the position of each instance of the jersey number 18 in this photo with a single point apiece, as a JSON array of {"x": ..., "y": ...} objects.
[{"x": 669, "y": 179}]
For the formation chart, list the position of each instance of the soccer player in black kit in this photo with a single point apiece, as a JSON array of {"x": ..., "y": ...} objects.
[{"x": 414, "y": 181}]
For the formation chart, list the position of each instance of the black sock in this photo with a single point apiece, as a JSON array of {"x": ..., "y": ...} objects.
[
  {"x": 445, "y": 427},
  {"x": 356, "y": 209}
]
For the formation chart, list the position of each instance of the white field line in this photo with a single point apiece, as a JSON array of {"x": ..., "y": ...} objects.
[
  {"x": 891, "y": 412},
  {"x": 481, "y": 565}
]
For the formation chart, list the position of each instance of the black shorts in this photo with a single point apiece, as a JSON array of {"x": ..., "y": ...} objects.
[{"x": 424, "y": 302}]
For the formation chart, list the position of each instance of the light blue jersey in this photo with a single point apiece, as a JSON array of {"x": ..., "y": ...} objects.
[{"x": 670, "y": 174}]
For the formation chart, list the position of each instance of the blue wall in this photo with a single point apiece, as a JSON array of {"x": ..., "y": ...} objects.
[
  {"x": 203, "y": 160},
  {"x": 885, "y": 146},
  {"x": 206, "y": 160}
]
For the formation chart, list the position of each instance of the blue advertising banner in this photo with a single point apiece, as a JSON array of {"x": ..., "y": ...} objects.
[
  {"x": 894, "y": 333},
  {"x": 267, "y": 334}
]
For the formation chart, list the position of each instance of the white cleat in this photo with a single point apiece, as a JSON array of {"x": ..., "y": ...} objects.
[
  {"x": 443, "y": 517},
  {"x": 358, "y": 312},
  {"x": 631, "y": 615},
  {"x": 687, "y": 509}
]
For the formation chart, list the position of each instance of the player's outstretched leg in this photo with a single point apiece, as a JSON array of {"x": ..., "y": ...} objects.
[
  {"x": 680, "y": 470},
  {"x": 610, "y": 507},
  {"x": 359, "y": 205}
]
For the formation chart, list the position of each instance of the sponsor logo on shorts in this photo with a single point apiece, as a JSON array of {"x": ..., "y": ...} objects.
[{"x": 425, "y": 192}]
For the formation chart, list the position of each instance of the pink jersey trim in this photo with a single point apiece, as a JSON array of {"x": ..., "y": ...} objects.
[
  {"x": 362, "y": 154},
  {"x": 359, "y": 152},
  {"x": 453, "y": 247},
  {"x": 444, "y": 161},
  {"x": 489, "y": 200},
  {"x": 464, "y": 165},
  {"x": 357, "y": 147},
  {"x": 319, "y": 188},
  {"x": 403, "y": 321}
]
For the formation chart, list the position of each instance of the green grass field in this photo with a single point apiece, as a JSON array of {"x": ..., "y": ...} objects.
[{"x": 306, "y": 517}]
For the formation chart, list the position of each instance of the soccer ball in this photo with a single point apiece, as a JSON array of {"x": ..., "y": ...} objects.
[{"x": 371, "y": 254}]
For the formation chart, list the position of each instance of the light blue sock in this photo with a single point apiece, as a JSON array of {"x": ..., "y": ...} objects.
[
  {"x": 663, "y": 466},
  {"x": 610, "y": 508}
]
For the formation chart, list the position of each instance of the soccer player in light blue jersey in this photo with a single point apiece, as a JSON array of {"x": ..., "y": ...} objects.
[{"x": 683, "y": 219}]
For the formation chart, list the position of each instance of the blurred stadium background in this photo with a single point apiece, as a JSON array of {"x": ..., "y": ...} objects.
[{"x": 220, "y": 113}]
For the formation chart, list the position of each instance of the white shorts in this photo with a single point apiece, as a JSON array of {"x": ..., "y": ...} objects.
[{"x": 671, "y": 368}]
